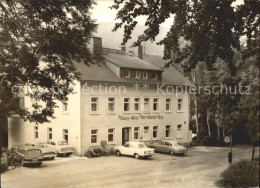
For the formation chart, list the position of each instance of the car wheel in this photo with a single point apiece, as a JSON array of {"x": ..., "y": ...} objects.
[
  {"x": 22, "y": 162},
  {"x": 88, "y": 155},
  {"x": 52, "y": 158},
  {"x": 118, "y": 153},
  {"x": 172, "y": 153},
  {"x": 39, "y": 164},
  {"x": 136, "y": 155}
]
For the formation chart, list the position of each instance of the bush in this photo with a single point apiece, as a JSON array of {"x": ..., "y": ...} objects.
[
  {"x": 244, "y": 173},
  {"x": 209, "y": 141}
]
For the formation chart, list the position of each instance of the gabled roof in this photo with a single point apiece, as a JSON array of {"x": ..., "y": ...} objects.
[
  {"x": 127, "y": 61},
  {"x": 170, "y": 75},
  {"x": 101, "y": 72}
]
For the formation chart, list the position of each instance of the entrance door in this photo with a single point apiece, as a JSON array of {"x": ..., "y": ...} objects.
[{"x": 125, "y": 135}]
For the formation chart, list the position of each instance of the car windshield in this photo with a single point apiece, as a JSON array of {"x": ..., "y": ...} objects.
[
  {"x": 62, "y": 143},
  {"x": 42, "y": 145},
  {"x": 175, "y": 143},
  {"x": 141, "y": 145},
  {"x": 34, "y": 153}
]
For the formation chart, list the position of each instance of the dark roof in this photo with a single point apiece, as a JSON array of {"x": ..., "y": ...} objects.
[
  {"x": 170, "y": 75},
  {"x": 127, "y": 61},
  {"x": 101, "y": 72}
]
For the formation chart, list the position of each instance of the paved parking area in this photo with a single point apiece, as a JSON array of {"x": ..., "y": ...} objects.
[{"x": 201, "y": 167}]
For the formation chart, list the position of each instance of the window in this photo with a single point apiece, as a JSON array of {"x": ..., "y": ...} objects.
[
  {"x": 179, "y": 131},
  {"x": 126, "y": 145},
  {"x": 145, "y": 75},
  {"x": 146, "y": 104},
  {"x": 111, "y": 135},
  {"x": 146, "y": 132},
  {"x": 136, "y": 133},
  {"x": 66, "y": 135},
  {"x": 111, "y": 104},
  {"x": 94, "y": 136},
  {"x": 49, "y": 134},
  {"x": 167, "y": 131},
  {"x": 155, "y": 131},
  {"x": 127, "y": 73},
  {"x": 154, "y": 76},
  {"x": 137, "y": 104},
  {"x": 168, "y": 105},
  {"x": 155, "y": 104},
  {"x": 126, "y": 104},
  {"x": 137, "y": 74},
  {"x": 179, "y": 104},
  {"x": 65, "y": 107},
  {"x": 36, "y": 134},
  {"x": 94, "y": 104}
]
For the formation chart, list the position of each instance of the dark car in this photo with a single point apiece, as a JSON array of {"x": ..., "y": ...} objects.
[
  {"x": 28, "y": 155},
  {"x": 169, "y": 146}
]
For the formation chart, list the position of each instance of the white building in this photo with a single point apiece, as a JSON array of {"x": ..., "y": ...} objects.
[{"x": 123, "y": 98}]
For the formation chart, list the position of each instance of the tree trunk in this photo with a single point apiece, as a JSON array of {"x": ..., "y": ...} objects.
[
  {"x": 253, "y": 151},
  {"x": 196, "y": 116},
  {"x": 218, "y": 123},
  {"x": 207, "y": 114},
  {"x": 223, "y": 128},
  {"x": 3, "y": 130}
]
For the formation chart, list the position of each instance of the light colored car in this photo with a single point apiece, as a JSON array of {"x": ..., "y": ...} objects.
[
  {"x": 136, "y": 149},
  {"x": 62, "y": 147},
  {"x": 169, "y": 146},
  {"x": 28, "y": 155},
  {"x": 47, "y": 152}
]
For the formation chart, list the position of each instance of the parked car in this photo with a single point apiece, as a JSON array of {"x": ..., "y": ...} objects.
[
  {"x": 28, "y": 155},
  {"x": 136, "y": 149},
  {"x": 169, "y": 146},
  {"x": 47, "y": 152},
  {"x": 62, "y": 147}
]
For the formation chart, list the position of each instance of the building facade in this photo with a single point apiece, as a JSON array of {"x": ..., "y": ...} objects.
[{"x": 124, "y": 98}]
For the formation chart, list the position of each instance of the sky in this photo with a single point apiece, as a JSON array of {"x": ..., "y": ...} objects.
[{"x": 102, "y": 13}]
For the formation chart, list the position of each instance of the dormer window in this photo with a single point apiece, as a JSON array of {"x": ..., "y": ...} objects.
[
  {"x": 154, "y": 75},
  {"x": 127, "y": 73},
  {"x": 145, "y": 75},
  {"x": 137, "y": 74}
]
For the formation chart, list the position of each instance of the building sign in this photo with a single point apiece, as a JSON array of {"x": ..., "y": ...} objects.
[{"x": 140, "y": 116}]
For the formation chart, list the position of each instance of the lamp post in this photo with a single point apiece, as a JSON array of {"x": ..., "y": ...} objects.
[{"x": 228, "y": 139}]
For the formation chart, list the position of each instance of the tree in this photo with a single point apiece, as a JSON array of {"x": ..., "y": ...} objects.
[
  {"x": 217, "y": 33},
  {"x": 39, "y": 41},
  {"x": 213, "y": 29},
  {"x": 249, "y": 104}
]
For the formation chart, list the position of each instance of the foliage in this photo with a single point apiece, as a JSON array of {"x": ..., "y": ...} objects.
[
  {"x": 221, "y": 46},
  {"x": 39, "y": 41},
  {"x": 212, "y": 29},
  {"x": 244, "y": 173},
  {"x": 209, "y": 141}
]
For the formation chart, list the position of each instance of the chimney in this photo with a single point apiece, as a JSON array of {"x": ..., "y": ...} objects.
[
  {"x": 140, "y": 52},
  {"x": 123, "y": 48},
  {"x": 97, "y": 45}
]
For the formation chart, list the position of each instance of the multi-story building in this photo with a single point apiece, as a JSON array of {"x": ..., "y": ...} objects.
[{"x": 123, "y": 98}]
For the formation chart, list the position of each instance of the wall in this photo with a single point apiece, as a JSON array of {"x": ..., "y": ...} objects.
[
  {"x": 21, "y": 132},
  {"x": 102, "y": 120},
  {"x": 114, "y": 68}
]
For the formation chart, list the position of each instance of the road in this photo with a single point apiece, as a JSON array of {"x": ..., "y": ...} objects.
[{"x": 201, "y": 167}]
